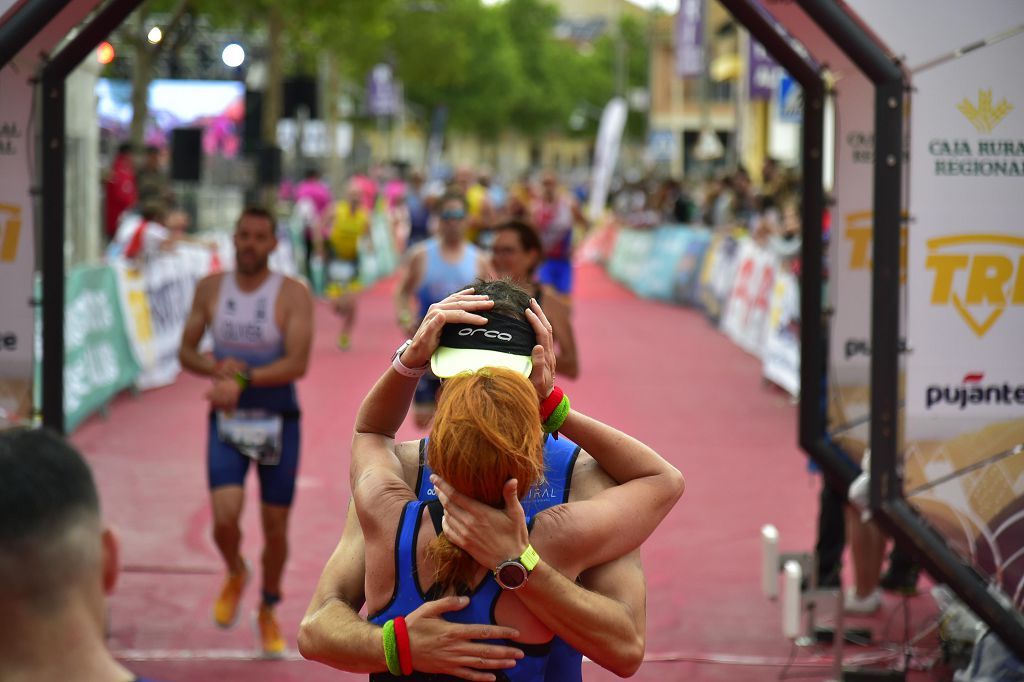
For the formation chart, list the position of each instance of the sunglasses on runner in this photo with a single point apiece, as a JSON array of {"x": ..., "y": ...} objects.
[{"x": 453, "y": 215}]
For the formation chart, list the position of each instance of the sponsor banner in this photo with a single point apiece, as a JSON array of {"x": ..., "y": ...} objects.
[
  {"x": 598, "y": 245},
  {"x": 606, "y": 154},
  {"x": 691, "y": 267},
  {"x": 658, "y": 278},
  {"x": 762, "y": 72},
  {"x": 963, "y": 466},
  {"x": 966, "y": 251},
  {"x": 632, "y": 251},
  {"x": 169, "y": 283},
  {"x": 746, "y": 313},
  {"x": 98, "y": 360},
  {"x": 17, "y": 252},
  {"x": 781, "y": 354},
  {"x": 690, "y": 38},
  {"x": 717, "y": 274}
]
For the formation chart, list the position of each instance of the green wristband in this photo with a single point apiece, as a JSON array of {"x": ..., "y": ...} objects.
[
  {"x": 391, "y": 649},
  {"x": 558, "y": 416}
]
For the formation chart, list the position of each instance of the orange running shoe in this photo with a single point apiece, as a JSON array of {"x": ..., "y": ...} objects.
[
  {"x": 271, "y": 639},
  {"x": 225, "y": 609}
]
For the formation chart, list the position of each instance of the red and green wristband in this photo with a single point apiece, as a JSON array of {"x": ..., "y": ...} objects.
[
  {"x": 554, "y": 410},
  {"x": 397, "y": 650}
]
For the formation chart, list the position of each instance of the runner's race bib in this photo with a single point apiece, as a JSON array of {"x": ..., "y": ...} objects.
[
  {"x": 254, "y": 433},
  {"x": 341, "y": 271}
]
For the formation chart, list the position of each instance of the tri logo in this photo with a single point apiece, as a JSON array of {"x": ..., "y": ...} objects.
[
  {"x": 979, "y": 275},
  {"x": 10, "y": 232}
]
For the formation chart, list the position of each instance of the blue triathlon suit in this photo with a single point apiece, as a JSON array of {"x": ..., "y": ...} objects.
[
  {"x": 483, "y": 599},
  {"x": 244, "y": 327},
  {"x": 564, "y": 664},
  {"x": 441, "y": 279},
  {"x": 419, "y": 218}
]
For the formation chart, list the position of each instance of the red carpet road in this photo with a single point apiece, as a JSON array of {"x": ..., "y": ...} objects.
[{"x": 659, "y": 372}]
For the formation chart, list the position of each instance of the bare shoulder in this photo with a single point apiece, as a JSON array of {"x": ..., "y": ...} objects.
[
  {"x": 408, "y": 454},
  {"x": 295, "y": 291},
  {"x": 588, "y": 478},
  {"x": 207, "y": 287}
]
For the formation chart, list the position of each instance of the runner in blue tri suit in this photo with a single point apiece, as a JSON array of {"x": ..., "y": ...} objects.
[
  {"x": 435, "y": 268},
  {"x": 262, "y": 326},
  {"x": 607, "y": 624}
]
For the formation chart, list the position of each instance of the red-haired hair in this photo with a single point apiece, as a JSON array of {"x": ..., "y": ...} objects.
[{"x": 486, "y": 431}]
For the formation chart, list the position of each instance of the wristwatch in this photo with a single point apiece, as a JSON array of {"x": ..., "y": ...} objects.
[
  {"x": 514, "y": 573},
  {"x": 411, "y": 372}
]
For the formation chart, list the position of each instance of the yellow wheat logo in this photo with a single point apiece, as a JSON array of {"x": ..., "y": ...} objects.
[
  {"x": 10, "y": 231},
  {"x": 985, "y": 117}
]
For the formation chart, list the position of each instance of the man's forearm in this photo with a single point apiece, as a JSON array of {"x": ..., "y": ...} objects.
[
  {"x": 623, "y": 457},
  {"x": 602, "y": 629},
  {"x": 197, "y": 363},
  {"x": 278, "y": 373},
  {"x": 336, "y": 635}
]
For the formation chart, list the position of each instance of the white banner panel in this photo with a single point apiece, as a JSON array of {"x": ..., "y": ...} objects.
[
  {"x": 17, "y": 250},
  {"x": 966, "y": 254},
  {"x": 746, "y": 314},
  {"x": 782, "y": 335},
  {"x": 928, "y": 29}
]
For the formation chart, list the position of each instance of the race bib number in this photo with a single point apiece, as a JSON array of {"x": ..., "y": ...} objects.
[
  {"x": 254, "y": 433},
  {"x": 341, "y": 271}
]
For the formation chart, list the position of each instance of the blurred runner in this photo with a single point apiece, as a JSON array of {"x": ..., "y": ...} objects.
[
  {"x": 262, "y": 327},
  {"x": 436, "y": 268},
  {"x": 554, "y": 212},
  {"x": 416, "y": 202},
  {"x": 348, "y": 221}
]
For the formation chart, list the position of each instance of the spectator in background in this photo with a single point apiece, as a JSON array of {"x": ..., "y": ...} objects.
[
  {"x": 57, "y": 564},
  {"x": 312, "y": 199},
  {"x": 121, "y": 193},
  {"x": 153, "y": 185},
  {"x": 416, "y": 202}
]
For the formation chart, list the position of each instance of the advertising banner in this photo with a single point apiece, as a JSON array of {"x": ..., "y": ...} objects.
[
  {"x": 98, "y": 358},
  {"x": 657, "y": 279},
  {"x": 632, "y": 251},
  {"x": 965, "y": 374},
  {"x": 170, "y": 285},
  {"x": 717, "y": 274},
  {"x": 781, "y": 354},
  {"x": 690, "y": 38},
  {"x": 17, "y": 252},
  {"x": 690, "y": 268},
  {"x": 746, "y": 313},
  {"x": 606, "y": 154},
  {"x": 762, "y": 72}
]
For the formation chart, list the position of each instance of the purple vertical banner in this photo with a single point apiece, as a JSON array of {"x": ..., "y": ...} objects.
[
  {"x": 690, "y": 38},
  {"x": 762, "y": 72},
  {"x": 381, "y": 93}
]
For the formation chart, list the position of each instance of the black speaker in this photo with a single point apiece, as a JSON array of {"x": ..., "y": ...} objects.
[
  {"x": 252, "y": 124},
  {"x": 268, "y": 165},
  {"x": 299, "y": 91},
  {"x": 186, "y": 154}
]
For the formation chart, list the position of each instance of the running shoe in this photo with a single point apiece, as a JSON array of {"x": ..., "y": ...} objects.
[
  {"x": 225, "y": 609},
  {"x": 271, "y": 639},
  {"x": 344, "y": 342},
  {"x": 862, "y": 605}
]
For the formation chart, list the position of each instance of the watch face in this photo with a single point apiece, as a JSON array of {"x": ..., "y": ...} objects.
[{"x": 511, "y": 575}]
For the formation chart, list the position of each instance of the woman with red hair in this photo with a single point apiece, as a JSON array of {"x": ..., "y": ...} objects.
[{"x": 487, "y": 439}]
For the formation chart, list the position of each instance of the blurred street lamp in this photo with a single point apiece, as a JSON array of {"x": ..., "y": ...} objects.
[
  {"x": 155, "y": 35},
  {"x": 233, "y": 55}
]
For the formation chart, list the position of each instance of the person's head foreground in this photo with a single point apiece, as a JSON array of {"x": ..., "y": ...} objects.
[
  {"x": 57, "y": 561},
  {"x": 507, "y": 340}
]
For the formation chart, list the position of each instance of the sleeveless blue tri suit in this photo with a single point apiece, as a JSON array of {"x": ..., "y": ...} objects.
[{"x": 564, "y": 664}]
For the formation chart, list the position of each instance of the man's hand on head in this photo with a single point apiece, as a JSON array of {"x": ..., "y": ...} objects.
[
  {"x": 489, "y": 535},
  {"x": 456, "y": 309},
  {"x": 542, "y": 376}
]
